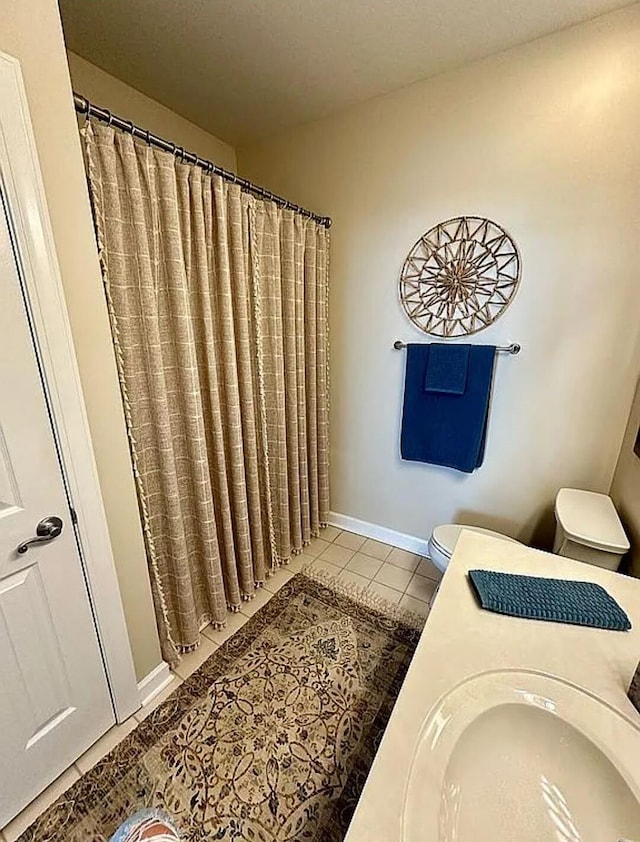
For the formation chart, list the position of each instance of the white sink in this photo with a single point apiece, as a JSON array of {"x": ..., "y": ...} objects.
[{"x": 517, "y": 756}]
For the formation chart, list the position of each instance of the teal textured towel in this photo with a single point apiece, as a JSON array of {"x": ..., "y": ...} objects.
[{"x": 558, "y": 600}]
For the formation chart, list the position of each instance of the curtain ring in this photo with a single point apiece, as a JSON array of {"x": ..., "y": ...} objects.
[
  {"x": 109, "y": 119},
  {"x": 148, "y": 137}
]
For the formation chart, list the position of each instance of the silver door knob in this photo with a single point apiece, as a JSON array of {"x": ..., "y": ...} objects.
[{"x": 48, "y": 529}]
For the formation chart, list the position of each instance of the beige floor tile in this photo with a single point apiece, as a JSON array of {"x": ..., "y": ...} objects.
[
  {"x": 435, "y": 595},
  {"x": 316, "y": 547},
  {"x": 386, "y": 593},
  {"x": 159, "y": 699},
  {"x": 421, "y": 588},
  {"x": 403, "y": 559},
  {"x": 393, "y": 577},
  {"x": 350, "y": 540},
  {"x": 280, "y": 577},
  {"x": 309, "y": 563},
  {"x": 105, "y": 744},
  {"x": 298, "y": 562},
  {"x": 412, "y": 604},
  {"x": 235, "y": 620},
  {"x": 22, "y": 821},
  {"x": 352, "y": 578},
  {"x": 428, "y": 569},
  {"x": 326, "y": 567},
  {"x": 330, "y": 533},
  {"x": 337, "y": 555},
  {"x": 376, "y": 549},
  {"x": 262, "y": 596},
  {"x": 364, "y": 565},
  {"x": 190, "y": 662}
]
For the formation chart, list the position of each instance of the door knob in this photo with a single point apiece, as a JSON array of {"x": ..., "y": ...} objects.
[{"x": 48, "y": 529}]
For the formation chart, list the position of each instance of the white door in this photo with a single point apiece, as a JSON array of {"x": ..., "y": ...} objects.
[{"x": 54, "y": 698}]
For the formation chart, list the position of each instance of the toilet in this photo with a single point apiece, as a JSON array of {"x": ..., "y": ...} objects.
[
  {"x": 444, "y": 538},
  {"x": 587, "y": 529}
]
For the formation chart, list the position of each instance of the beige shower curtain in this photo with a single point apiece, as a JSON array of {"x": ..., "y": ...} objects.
[{"x": 218, "y": 307}]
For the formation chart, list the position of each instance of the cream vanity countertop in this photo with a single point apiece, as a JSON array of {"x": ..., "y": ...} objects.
[{"x": 461, "y": 640}]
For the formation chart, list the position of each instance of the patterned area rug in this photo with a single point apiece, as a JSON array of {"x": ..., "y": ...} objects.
[{"x": 270, "y": 740}]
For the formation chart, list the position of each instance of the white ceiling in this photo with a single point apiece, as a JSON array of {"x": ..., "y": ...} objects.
[{"x": 243, "y": 69}]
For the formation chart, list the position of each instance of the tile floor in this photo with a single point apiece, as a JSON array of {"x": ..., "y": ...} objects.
[{"x": 397, "y": 575}]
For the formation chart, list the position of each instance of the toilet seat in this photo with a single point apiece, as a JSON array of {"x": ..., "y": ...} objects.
[{"x": 445, "y": 537}]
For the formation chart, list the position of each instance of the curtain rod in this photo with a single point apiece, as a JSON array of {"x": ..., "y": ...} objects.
[{"x": 84, "y": 106}]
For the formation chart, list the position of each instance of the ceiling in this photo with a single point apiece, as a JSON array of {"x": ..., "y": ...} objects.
[{"x": 244, "y": 69}]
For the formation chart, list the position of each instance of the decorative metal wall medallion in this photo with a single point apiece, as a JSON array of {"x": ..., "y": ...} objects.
[{"x": 460, "y": 276}]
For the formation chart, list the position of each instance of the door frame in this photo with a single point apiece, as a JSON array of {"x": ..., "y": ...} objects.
[{"x": 44, "y": 295}]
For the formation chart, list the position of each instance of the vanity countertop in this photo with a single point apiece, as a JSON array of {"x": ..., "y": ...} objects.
[{"x": 461, "y": 640}]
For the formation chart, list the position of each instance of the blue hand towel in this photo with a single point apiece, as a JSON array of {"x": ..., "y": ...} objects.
[
  {"x": 447, "y": 367},
  {"x": 446, "y": 429}
]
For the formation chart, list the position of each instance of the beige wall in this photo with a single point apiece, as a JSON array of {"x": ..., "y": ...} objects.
[
  {"x": 625, "y": 489},
  {"x": 543, "y": 139},
  {"x": 31, "y": 31},
  {"x": 107, "y": 91}
]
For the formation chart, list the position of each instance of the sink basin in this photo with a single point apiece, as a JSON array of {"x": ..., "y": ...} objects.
[{"x": 516, "y": 756}]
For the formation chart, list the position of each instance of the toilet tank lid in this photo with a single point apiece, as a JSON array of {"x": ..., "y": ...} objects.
[{"x": 591, "y": 519}]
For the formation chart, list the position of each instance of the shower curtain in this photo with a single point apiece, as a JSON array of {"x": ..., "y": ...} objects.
[{"x": 218, "y": 309}]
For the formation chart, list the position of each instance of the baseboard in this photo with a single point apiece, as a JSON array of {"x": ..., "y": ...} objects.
[
  {"x": 379, "y": 533},
  {"x": 154, "y": 682}
]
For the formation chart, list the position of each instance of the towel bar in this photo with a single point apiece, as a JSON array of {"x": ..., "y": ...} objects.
[{"x": 514, "y": 348}]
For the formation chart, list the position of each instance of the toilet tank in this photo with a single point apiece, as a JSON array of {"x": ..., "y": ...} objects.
[{"x": 588, "y": 528}]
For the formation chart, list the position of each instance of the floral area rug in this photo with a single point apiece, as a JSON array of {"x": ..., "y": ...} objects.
[{"x": 270, "y": 740}]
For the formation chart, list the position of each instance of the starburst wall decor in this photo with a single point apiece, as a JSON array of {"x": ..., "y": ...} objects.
[{"x": 460, "y": 276}]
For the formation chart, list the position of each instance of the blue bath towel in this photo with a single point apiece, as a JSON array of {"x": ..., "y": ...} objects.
[{"x": 445, "y": 427}]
